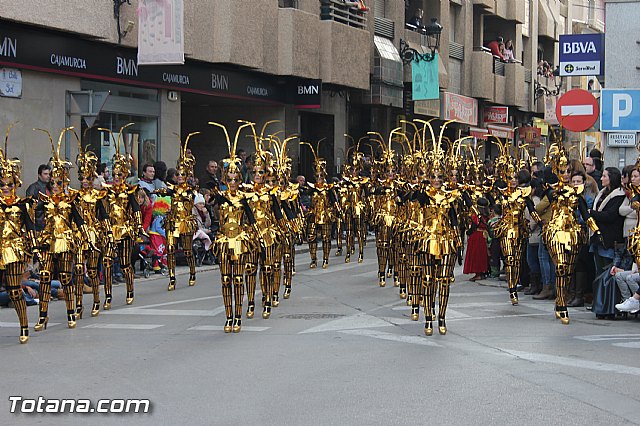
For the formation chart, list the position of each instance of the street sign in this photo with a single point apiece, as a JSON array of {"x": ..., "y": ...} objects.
[
  {"x": 621, "y": 140},
  {"x": 620, "y": 111},
  {"x": 577, "y": 110},
  {"x": 581, "y": 54}
]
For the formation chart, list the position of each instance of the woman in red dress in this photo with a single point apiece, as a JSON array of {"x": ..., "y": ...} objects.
[{"x": 476, "y": 260}]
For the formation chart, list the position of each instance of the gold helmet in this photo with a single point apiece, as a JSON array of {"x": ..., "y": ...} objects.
[
  {"x": 87, "y": 161},
  {"x": 319, "y": 164},
  {"x": 59, "y": 167},
  {"x": 10, "y": 168},
  {"x": 232, "y": 164},
  {"x": 186, "y": 161},
  {"x": 121, "y": 162},
  {"x": 283, "y": 163}
]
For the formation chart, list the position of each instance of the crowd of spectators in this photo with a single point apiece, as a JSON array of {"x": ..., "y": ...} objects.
[{"x": 606, "y": 258}]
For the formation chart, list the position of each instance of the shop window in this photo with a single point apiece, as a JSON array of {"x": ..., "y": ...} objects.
[{"x": 141, "y": 139}]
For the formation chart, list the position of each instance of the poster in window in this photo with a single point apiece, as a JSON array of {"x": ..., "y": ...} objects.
[{"x": 149, "y": 151}]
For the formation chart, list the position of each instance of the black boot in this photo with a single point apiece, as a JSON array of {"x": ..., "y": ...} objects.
[{"x": 535, "y": 285}]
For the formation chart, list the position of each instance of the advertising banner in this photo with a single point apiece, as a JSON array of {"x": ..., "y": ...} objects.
[
  {"x": 160, "y": 32},
  {"x": 496, "y": 114},
  {"x": 424, "y": 76},
  {"x": 460, "y": 108}
]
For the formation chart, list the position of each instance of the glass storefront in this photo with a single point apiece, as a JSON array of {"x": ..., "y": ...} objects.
[{"x": 126, "y": 104}]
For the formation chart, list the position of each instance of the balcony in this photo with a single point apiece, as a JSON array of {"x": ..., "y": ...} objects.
[
  {"x": 298, "y": 47},
  {"x": 333, "y": 10},
  {"x": 345, "y": 54},
  {"x": 482, "y": 77},
  {"x": 490, "y": 5},
  {"x": 515, "y": 85}
]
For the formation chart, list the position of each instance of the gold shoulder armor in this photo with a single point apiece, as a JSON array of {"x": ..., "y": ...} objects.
[
  {"x": 579, "y": 189},
  {"x": 132, "y": 189},
  {"x": 526, "y": 191}
]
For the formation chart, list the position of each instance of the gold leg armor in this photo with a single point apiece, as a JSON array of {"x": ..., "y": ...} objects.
[
  {"x": 312, "y": 237},
  {"x": 382, "y": 248},
  {"x": 565, "y": 261},
  {"x": 512, "y": 252},
  {"x": 339, "y": 226},
  {"x": 250, "y": 271},
  {"x": 171, "y": 262},
  {"x": 65, "y": 263},
  {"x": 187, "y": 241},
  {"x": 227, "y": 299},
  {"x": 78, "y": 283},
  {"x": 93, "y": 257},
  {"x": 12, "y": 278},
  {"x": 124, "y": 253},
  {"x": 325, "y": 229},
  {"x": 46, "y": 266},
  {"x": 288, "y": 269},
  {"x": 277, "y": 274}
]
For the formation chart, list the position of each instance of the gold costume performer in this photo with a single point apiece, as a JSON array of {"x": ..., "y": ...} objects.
[
  {"x": 125, "y": 220},
  {"x": 513, "y": 229},
  {"x": 180, "y": 224},
  {"x": 58, "y": 241},
  {"x": 385, "y": 210},
  {"x": 18, "y": 236},
  {"x": 440, "y": 239},
  {"x": 265, "y": 207},
  {"x": 563, "y": 234},
  {"x": 288, "y": 196},
  {"x": 323, "y": 207},
  {"x": 233, "y": 241},
  {"x": 90, "y": 205},
  {"x": 353, "y": 195}
]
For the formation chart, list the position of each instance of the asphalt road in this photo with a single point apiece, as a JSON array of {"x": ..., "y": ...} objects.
[{"x": 341, "y": 351}]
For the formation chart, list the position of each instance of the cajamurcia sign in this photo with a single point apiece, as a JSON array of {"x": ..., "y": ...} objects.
[{"x": 55, "y": 52}]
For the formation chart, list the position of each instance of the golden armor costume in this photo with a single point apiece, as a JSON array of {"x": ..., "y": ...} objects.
[
  {"x": 512, "y": 229},
  {"x": 233, "y": 241},
  {"x": 563, "y": 235},
  {"x": 385, "y": 210},
  {"x": 90, "y": 205},
  {"x": 267, "y": 213},
  {"x": 323, "y": 207},
  {"x": 17, "y": 239},
  {"x": 58, "y": 241},
  {"x": 288, "y": 197},
  {"x": 125, "y": 221},
  {"x": 180, "y": 224}
]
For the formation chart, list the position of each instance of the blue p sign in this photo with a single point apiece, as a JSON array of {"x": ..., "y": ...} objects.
[{"x": 620, "y": 110}]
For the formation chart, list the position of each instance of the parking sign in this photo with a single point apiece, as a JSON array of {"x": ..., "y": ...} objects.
[{"x": 620, "y": 110}]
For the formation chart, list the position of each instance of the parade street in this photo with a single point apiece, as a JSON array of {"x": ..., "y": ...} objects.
[{"x": 341, "y": 351}]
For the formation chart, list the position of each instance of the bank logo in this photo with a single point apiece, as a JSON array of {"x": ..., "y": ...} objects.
[{"x": 568, "y": 68}]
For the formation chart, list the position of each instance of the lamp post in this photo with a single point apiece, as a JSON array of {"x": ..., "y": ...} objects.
[{"x": 432, "y": 34}]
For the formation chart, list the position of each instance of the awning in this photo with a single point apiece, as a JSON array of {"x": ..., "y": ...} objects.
[
  {"x": 386, "y": 49},
  {"x": 503, "y": 132},
  {"x": 387, "y": 83},
  {"x": 478, "y": 132}
]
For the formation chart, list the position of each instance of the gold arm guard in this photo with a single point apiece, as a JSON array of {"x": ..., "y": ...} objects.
[{"x": 591, "y": 223}]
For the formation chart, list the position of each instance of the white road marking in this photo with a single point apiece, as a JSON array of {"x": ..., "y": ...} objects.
[
  {"x": 631, "y": 345},
  {"x": 175, "y": 302},
  {"x": 603, "y": 337},
  {"x": 349, "y": 323},
  {"x": 415, "y": 340},
  {"x": 17, "y": 324},
  {"x": 221, "y": 328},
  {"x": 574, "y": 362},
  {"x": 168, "y": 312},
  {"x": 125, "y": 326}
]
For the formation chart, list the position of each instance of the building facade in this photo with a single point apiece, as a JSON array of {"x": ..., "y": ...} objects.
[{"x": 323, "y": 68}]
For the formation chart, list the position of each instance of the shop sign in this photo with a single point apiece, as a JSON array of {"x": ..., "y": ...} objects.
[
  {"x": 460, "y": 108},
  {"x": 581, "y": 54},
  {"x": 501, "y": 132},
  {"x": 531, "y": 134},
  {"x": 430, "y": 107},
  {"x": 496, "y": 114},
  {"x": 47, "y": 51},
  {"x": 621, "y": 140},
  {"x": 10, "y": 83},
  {"x": 478, "y": 133}
]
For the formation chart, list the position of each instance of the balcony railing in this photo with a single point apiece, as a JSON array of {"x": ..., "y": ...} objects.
[
  {"x": 343, "y": 12},
  {"x": 293, "y": 4}
]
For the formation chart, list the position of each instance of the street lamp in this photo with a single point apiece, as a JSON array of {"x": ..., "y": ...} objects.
[{"x": 432, "y": 34}]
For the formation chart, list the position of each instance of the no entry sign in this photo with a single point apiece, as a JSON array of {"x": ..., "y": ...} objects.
[{"x": 577, "y": 110}]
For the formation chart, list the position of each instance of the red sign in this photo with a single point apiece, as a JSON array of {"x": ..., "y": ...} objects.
[
  {"x": 577, "y": 110},
  {"x": 530, "y": 134},
  {"x": 460, "y": 108},
  {"x": 478, "y": 133},
  {"x": 496, "y": 114}
]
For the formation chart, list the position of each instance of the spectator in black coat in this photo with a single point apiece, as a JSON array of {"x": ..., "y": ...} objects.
[{"x": 605, "y": 212}]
